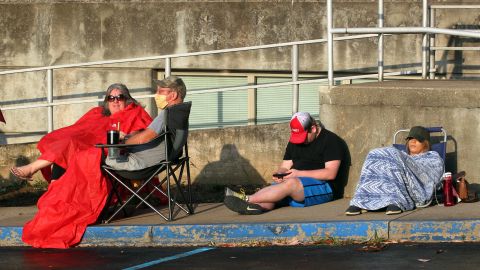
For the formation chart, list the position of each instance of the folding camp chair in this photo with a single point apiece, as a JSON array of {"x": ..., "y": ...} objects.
[
  {"x": 175, "y": 161},
  {"x": 439, "y": 145}
]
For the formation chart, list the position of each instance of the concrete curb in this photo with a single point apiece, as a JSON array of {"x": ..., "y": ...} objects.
[
  {"x": 171, "y": 235},
  {"x": 207, "y": 234},
  {"x": 435, "y": 231}
]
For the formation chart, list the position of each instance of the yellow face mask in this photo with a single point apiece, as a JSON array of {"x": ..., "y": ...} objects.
[{"x": 161, "y": 101}]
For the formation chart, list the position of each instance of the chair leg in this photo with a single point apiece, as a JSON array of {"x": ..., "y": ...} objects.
[
  {"x": 171, "y": 170},
  {"x": 134, "y": 194},
  {"x": 170, "y": 207},
  {"x": 189, "y": 188}
]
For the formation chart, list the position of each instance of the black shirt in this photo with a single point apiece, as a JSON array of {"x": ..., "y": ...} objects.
[{"x": 326, "y": 147}]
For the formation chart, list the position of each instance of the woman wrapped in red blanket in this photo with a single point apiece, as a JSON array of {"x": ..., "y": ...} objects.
[{"x": 78, "y": 196}]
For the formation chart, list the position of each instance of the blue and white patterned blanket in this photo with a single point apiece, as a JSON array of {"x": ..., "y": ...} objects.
[{"x": 390, "y": 176}]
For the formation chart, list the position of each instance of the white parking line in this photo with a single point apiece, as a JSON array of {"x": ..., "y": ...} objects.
[{"x": 174, "y": 257}]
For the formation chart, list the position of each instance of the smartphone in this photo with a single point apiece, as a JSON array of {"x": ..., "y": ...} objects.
[{"x": 280, "y": 175}]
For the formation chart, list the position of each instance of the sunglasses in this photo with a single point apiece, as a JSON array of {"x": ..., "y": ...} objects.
[{"x": 118, "y": 98}]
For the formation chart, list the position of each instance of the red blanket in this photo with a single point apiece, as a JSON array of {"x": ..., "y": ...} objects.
[
  {"x": 62, "y": 144},
  {"x": 77, "y": 198}
]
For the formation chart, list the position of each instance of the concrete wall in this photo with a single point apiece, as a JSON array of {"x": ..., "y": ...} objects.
[
  {"x": 41, "y": 33},
  {"x": 366, "y": 116},
  {"x": 230, "y": 156}
]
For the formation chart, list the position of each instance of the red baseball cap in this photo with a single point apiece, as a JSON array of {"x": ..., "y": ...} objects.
[{"x": 299, "y": 126}]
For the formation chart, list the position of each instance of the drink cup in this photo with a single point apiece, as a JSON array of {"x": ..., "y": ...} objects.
[{"x": 113, "y": 137}]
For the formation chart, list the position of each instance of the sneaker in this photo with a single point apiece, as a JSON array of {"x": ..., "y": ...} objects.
[
  {"x": 393, "y": 210},
  {"x": 241, "y": 194},
  {"x": 353, "y": 210},
  {"x": 241, "y": 206}
]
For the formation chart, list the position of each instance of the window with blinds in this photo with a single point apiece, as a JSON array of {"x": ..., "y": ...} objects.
[
  {"x": 274, "y": 104},
  {"x": 220, "y": 109},
  {"x": 230, "y": 108}
]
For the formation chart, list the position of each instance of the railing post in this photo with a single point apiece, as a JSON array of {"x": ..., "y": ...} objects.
[
  {"x": 50, "y": 99},
  {"x": 425, "y": 39},
  {"x": 295, "y": 86},
  {"x": 168, "y": 66},
  {"x": 330, "y": 42},
  {"x": 380, "y": 41},
  {"x": 432, "y": 66},
  {"x": 252, "y": 100}
]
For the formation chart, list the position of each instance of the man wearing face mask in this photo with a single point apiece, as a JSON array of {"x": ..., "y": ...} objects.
[{"x": 169, "y": 91}]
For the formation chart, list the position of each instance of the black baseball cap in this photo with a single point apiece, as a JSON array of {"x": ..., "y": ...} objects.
[{"x": 420, "y": 133}]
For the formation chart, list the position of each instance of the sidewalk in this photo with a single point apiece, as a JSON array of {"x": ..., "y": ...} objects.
[{"x": 215, "y": 224}]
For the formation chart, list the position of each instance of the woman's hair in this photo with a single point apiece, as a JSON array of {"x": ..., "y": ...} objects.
[{"x": 124, "y": 91}]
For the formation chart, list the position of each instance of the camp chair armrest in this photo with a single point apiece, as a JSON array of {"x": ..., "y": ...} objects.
[
  {"x": 122, "y": 145},
  {"x": 114, "y": 145},
  {"x": 435, "y": 129}
]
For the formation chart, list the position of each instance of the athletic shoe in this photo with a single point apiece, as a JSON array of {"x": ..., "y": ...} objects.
[
  {"x": 393, "y": 210},
  {"x": 241, "y": 206},
  {"x": 241, "y": 194},
  {"x": 353, "y": 210}
]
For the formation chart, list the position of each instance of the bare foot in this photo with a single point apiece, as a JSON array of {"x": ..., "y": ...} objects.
[{"x": 22, "y": 172}]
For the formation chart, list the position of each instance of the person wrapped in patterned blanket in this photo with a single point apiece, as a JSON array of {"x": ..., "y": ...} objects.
[{"x": 396, "y": 180}]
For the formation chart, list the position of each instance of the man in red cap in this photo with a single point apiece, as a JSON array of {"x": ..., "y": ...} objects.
[{"x": 306, "y": 175}]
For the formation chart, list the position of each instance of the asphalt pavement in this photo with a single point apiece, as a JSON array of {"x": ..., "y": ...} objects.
[{"x": 352, "y": 256}]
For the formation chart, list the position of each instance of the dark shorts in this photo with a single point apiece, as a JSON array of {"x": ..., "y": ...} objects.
[{"x": 315, "y": 192}]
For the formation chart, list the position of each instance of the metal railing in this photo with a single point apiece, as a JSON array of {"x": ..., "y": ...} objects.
[
  {"x": 432, "y": 47},
  {"x": 425, "y": 30},
  {"x": 167, "y": 58},
  {"x": 360, "y": 33}
]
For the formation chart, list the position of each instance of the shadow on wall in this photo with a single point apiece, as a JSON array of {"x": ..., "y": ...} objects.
[
  {"x": 16, "y": 192},
  {"x": 473, "y": 187},
  {"x": 230, "y": 169},
  {"x": 234, "y": 170},
  {"x": 343, "y": 172},
  {"x": 460, "y": 69},
  {"x": 19, "y": 161},
  {"x": 451, "y": 157}
]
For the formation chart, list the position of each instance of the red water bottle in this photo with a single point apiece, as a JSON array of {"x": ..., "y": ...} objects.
[{"x": 448, "y": 199}]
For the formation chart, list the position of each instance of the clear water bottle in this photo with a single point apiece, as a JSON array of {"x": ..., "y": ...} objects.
[{"x": 448, "y": 198}]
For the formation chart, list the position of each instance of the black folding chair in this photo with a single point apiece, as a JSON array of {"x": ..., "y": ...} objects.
[{"x": 175, "y": 161}]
